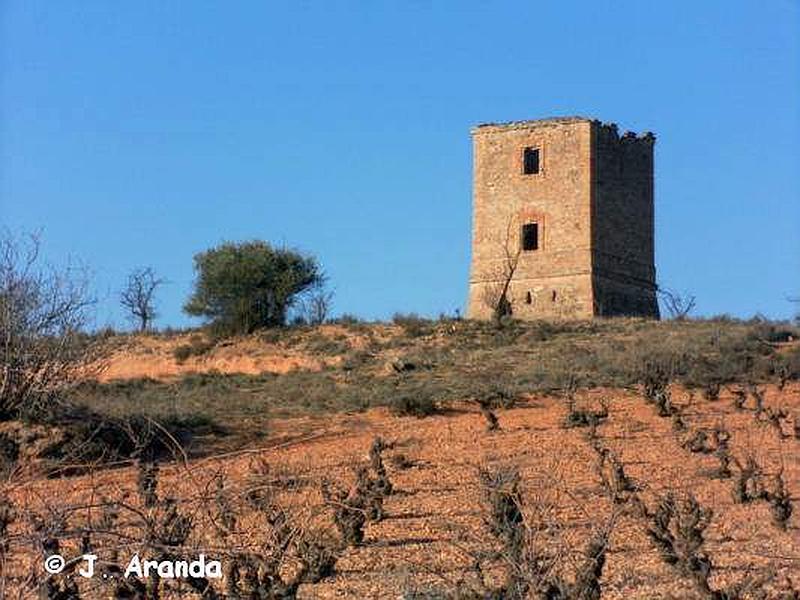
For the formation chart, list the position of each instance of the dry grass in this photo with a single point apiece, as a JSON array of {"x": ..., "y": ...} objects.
[{"x": 419, "y": 367}]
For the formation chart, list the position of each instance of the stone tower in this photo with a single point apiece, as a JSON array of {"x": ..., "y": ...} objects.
[{"x": 569, "y": 203}]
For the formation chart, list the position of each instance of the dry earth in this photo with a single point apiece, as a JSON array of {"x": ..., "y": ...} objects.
[
  {"x": 153, "y": 357},
  {"x": 434, "y": 520}
]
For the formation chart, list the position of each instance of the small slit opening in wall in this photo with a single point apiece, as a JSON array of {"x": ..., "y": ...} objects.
[
  {"x": 554, "y": 296},
  {"x": 528, "y": 298}
]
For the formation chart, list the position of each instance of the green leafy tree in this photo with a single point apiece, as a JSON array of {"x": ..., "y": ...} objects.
[{"x": 241, "y": 287}]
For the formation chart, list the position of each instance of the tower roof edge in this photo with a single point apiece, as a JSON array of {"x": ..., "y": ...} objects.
[{"x": 527, "y": 124}]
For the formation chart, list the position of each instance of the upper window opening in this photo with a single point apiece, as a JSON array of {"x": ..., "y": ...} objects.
[
  {"x": 530, "y": 161},
  {"x": 530, "y": 236}
]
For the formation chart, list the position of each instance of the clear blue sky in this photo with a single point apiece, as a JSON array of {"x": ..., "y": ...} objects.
[{"x": 140, "y": 133}]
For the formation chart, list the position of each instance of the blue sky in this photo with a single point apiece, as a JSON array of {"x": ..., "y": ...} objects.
[{"x": 140, "y": 133}]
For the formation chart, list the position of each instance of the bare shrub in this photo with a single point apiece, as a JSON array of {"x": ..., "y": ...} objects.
[
  {"x": 42, "y": 313},
  {"x": 758, "y": 398},
  {"x": 6, "y": 518},
  {"x": 711, "y": 391},
  {"x": 750, "y": 485},
  {"x": 775, "y": 417},
  {"x": 363, "y": 501},
  {"x": 147, "y": 482},
  {"x": 164, "y": 528},
  {"x": 492, "y": 423},
  {"x": 677, "y": 305},
  {"x": 318, "y": 558},
  {"x": 678, "y": 422},
  {"x": 590, "y": 570},
  {"x": 263, "y": 482},
  {"x": 254, "y": 575},
  {"x": 535, "y": 559},
  {"x": 349, "y": 514},
  {"x": 739, "y": 398},
  {"x": 48, "y": 529},
  {"x": 592, "y": 436},
  {"x": 9, "y": 453},
  {"x": 505, "y": 520},
  {"x": 749, "y": 482},
  {"x": 262, "y": 573},
  {"x": 317, "y": 306},
  {"x": 655, "y": 374},
  {"x": 495, "y": 295},
  {"x": 225, "y": 517},
  {"x": 582, "y": 417},
  {"x": 699, "y": 442},
  {"x": 715, "y": 441},
  {"x": 269, "y": 558},
  {"x": 248, "y": 575},
  {"x": 677, "y": 528},
  {"x": 615, "y": 481},
  {"x": 381, "y": 483},
  {"x": 663, "y": 402},
  {"x": 138, "y": 296},
  {"x": 780, "y": 502},
  {"x": 368, "y": 494},
  {"x": 722, "y": 453},
  {"x": 585, "y": 417}
]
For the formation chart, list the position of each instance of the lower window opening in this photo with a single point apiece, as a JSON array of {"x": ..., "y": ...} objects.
[{"x": 530, "y": 237}]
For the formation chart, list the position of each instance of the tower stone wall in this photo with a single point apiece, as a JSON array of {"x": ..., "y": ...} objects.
[{"x": 623, "y": 253}]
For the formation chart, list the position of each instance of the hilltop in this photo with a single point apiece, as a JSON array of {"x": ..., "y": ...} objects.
[{"x": 594, "y": 431}]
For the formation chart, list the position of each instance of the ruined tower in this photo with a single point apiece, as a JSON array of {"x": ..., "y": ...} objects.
[{"x": 567, "y": 203}]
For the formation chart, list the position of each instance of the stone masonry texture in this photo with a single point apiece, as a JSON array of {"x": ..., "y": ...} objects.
[{"x": 592, "y": 205}]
